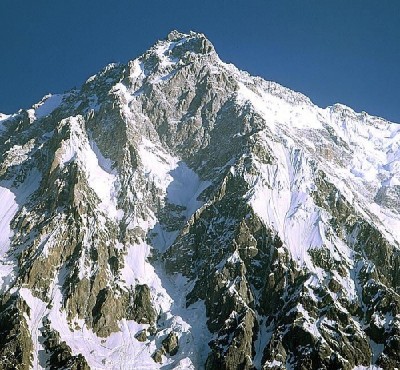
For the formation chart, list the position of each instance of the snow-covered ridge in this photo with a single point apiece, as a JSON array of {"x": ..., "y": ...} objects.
[
  {"x": 371, "y": 143},
  {"x": 47, "y": 105},
  {"x": 361, "y": 156}
]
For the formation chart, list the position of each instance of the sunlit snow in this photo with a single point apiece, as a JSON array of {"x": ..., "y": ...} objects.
[{"x": 48, "y": 104}]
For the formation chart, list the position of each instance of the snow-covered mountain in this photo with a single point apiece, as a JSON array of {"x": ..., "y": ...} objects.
[{"x": 177, "y": 213}]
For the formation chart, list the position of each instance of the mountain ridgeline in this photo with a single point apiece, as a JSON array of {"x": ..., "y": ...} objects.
[{"x": 175, "y": 212}]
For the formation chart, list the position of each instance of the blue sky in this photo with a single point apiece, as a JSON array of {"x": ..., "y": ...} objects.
[{"x": 332, "y": 51}]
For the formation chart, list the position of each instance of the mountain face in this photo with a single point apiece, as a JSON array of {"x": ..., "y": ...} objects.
[{"x": 177, "y": 213}]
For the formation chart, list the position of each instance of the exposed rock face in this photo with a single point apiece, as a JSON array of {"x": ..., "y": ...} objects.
[
  {"x": 141, "y": 336},
  {"x": 15, "y": 340},
  {"x": 176, "y": 212},
  {"x": 170, "y": 344}
]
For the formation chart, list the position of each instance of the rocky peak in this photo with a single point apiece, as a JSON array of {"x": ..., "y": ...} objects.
[
  {"x": 175, "y": 51},
  {"x": 195, "y": 42}
]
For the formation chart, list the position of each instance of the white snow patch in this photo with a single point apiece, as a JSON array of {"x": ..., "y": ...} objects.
[
  {"x": 382, "y": 321},
  {"x": 348, "y": 285},
  {"x": 8, "y": 209},
  {"x": 376, "y": 349},
  {"x": 31, "y": 115},
  {"x": 103, "y": 181},
  {"x": 185, "y": 188},
  {"x": 263, "y": 338},
  {"x": 390, "y": 222},
  {"x": 4, "y": 117},
  {"x": 48, "y": 104},
  {"x": 189, "y": 322},
  {"x": 277, "y": 111},
  {"x": 281, "y": 196},
  {"x": 273, "y": 363},
  {"x": 138, "y": 269},
  {"x": 234, "y": 258},
  {"x": 309, "y": 323},
  {"x": 136, "y": 70},
  {"x": 34, "y": 321},
  {"x": 157, "y": 164},
  {"x": 181, "y": 185}
]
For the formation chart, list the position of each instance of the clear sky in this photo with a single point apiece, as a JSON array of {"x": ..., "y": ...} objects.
[{"x": 345, "y": 51}]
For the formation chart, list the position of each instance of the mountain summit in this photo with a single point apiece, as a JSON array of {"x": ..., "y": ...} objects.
[{"x": 178, "y": 213}]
